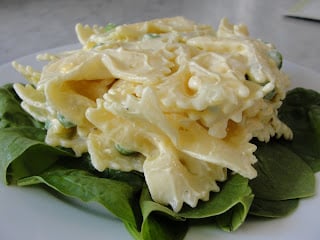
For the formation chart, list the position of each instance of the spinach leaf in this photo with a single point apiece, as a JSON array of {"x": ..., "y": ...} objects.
[
  {"x": 160, "y": 222},
  {"x": 282, "y": 174},
  {"x": 23, "y": 153},
  {"x": 230, "y": 205},
  {"x": 314, "y": 116},
  {"x": 273, "y": 209},
  {"x": 158, "y": 227},
  {"x": 301, "y": 112},
  {"x": 135, "y": 179},
  {"x": 118, "y": 197},
  {"x": 231, "y": 194},
  {"x": 232, "y": 219}
]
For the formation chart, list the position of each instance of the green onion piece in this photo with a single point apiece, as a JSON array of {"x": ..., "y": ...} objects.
[
  {"x": 47, "y": 124},
  {"x": 98, "y": 45},
  {"x": 64, "y": 122},
  {"x": 152, "y": 35},
  {"x": 270, "y": 95},
  {"x": 109, "y": 27},
  {"x": 124, "y": 151},
  {"x": 277, "y": 57}
]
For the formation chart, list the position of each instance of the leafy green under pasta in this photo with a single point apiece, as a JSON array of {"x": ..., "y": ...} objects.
[{"x": 301, "y": 112}]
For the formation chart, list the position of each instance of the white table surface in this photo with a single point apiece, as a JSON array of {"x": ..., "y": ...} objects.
[{"x": 33, "y": 25}]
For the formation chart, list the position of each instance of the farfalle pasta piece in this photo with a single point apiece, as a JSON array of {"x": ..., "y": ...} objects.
[
  {"x": 73, "y": 83},
  {"x": 136, "y": 66},
  {"x": 183, "y": 179},
  {"x": 28, "y": 72},
  {"x": 84, "y": 32},
  {"x": 34, "y": 102}
]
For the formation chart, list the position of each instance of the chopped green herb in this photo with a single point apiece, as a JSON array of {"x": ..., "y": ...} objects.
[
  {"x": 277, "y": 57},
  {"x": 152, "y": 35},
  {"x": 109, "y": 27},
  {"x": 47, "y": 124},
  {"x": 98, "y": 45},
  {"x": 65, "y": 122},
  {"x": 270, "y": 95},
  {"x": 124, "y": 151}
]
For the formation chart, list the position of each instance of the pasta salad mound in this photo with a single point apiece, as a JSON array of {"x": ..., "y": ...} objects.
[{"x": 177, "y": 101}]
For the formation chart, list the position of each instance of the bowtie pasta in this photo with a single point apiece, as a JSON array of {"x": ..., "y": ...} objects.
[{"x": 172, "y": 99}]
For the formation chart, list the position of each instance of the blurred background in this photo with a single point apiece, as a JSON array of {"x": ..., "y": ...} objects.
[{"x": 31, "y": 26}]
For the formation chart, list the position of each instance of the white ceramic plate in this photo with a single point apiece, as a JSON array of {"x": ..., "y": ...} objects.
[{"x": 33, "y": 213}]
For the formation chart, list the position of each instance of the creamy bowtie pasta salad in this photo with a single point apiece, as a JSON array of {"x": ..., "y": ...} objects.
[{"x": 188, "y": 118}]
